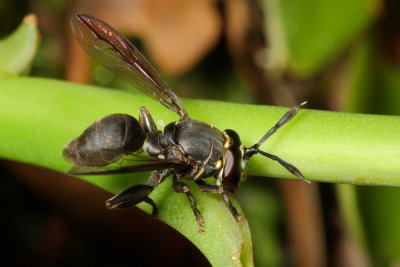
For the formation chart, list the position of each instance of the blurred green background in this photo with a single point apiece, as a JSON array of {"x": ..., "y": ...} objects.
[{"x": 339, "y": 55}]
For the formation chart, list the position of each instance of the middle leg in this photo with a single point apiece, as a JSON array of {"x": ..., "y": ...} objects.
[{"x": 180, "y": 187}]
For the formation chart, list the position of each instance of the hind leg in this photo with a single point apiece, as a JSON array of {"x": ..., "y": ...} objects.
[
  {"x": 138, "y": 193},
  {"x": 132, "y": 196}
]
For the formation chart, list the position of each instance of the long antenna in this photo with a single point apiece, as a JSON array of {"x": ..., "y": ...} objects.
[
  {"x": 287, "y": 117},
  {"x": 285, "y": 164},
  {"x": 254, "y": 149}
]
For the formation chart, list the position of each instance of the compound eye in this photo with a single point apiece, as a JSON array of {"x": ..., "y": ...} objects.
[
  {"x": 232, "y": 170},
  {"x": 229, "y": 165}
]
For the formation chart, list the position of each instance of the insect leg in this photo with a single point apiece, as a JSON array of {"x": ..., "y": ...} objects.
[
  {"x": 239, "y": 218},
  {"x": 146, "y": 121},
  {"x": 180, "y": 187},
  {"x": 158, "y": 176},
  {"x": 203, "y": 186},
  {"x": 138, "y": 193},
  {"x": 132, "y": 196}
]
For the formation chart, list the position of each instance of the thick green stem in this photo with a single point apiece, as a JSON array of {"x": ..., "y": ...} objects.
[
  {"x": 325, "y": 146},
  {"x": 39, "y": 116}
]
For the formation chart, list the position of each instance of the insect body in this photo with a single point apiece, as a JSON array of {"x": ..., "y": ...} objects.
[{"x": 187, "y": 149}]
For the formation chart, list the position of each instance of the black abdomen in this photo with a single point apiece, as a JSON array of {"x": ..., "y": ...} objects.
[{"x": 105, "y": 141}]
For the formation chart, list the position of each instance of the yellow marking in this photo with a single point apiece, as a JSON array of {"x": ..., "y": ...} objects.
[
  {"x": 209, "y": 156},
  {"x": 227, "y": 143},
  {"x": 146, "y": 143},
  {"x": 197, "y": 176},
  {"x": 221, "y": 172},
  {"x": 242, "y": 150},
  {"x": 218, "y": 165}
]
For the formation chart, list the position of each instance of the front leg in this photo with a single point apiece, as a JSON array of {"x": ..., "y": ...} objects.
[
  {"x": 203, "y": 186},
  {"x": 239, "y": 218}
]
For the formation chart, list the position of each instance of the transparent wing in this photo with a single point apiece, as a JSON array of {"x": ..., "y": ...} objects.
[
  {"x": 129, "y": 166},
  {"x": 114, "y": 52}
]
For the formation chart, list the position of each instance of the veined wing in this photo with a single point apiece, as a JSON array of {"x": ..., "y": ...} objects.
[
  {"x": 140, "y": 165},
  {"x": 114, "y": 52}
]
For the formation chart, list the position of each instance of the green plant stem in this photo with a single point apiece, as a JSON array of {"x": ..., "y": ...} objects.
[
  {"x": 39, "y": 116},
  {"x": 325, "y": 146}
]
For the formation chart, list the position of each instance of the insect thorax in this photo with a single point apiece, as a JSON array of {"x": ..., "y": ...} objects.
[{"x": 195, "y": 142}]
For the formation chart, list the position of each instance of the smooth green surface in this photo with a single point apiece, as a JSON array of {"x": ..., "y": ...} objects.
[
  {"x": 38, "y": 117},
  {"x": 325, "y": 146},
  {"x": 19, "y": 48}
]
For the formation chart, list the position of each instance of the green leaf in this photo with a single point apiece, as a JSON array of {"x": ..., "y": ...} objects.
[
  {"x": 18, "y": 49},
  {"x": 315, "y": 32},
  {"x": 370, "y": 67}
]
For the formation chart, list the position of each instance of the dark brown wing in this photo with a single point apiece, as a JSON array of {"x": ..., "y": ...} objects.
[
  {"x": 114, "y": 52},
  {"x": 134, "y": 166}
]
